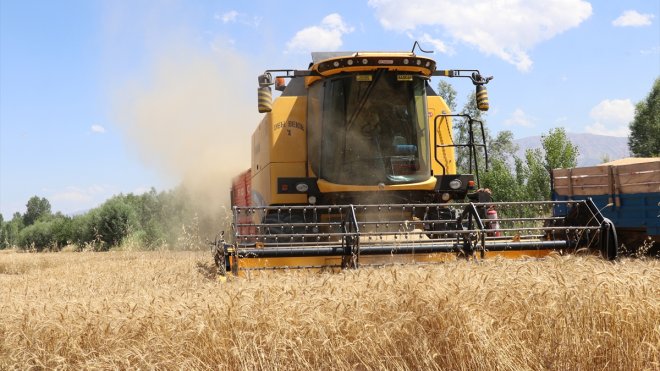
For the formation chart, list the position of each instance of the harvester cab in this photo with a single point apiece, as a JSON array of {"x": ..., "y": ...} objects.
[{"x": 355, "y": 164}]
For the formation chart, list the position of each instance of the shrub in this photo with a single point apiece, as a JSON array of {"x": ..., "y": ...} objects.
[
  {"x": 37, "y": 236},
  {"x": 114, "y": 222}
]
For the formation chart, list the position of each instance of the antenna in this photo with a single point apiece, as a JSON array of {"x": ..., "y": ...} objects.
[{"x": 416, "y": 45}]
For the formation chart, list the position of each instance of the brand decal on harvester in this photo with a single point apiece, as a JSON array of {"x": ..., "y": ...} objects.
[{"x": 288, "y": 125}]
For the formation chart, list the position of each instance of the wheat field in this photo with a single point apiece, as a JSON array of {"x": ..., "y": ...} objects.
[{"x": 167, "y": 310}]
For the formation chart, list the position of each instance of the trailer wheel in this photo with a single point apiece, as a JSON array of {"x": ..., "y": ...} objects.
[{"x": 609, "y": 243}]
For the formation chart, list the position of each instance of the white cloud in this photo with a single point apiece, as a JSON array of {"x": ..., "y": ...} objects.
[
  {"x": 438, "y": 45},
  {"x": 650, "y": 51},
  {"x": 74, "y": 199},
  {"x": 233, "y": 16},
  {"x": 600, "y": 129},
  {"x": 227, "y": 17},
  {"x": 327, "y": 36},
  {"x": 519, "y": 118},
  {"x": 632, "y": 18},
  {"x": 72, "y": 195},
  {"x": 77, "y": 194},
  {"x": 506, "y": 29},
  {"x": 98, "y": 129},
  {"x": 611, "y": 117}
]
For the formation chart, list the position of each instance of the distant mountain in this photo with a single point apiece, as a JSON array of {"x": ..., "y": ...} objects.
[{"x": 592, "y": 147}]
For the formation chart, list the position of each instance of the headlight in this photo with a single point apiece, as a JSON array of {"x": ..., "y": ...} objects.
[{"x": 455, "y": 184}]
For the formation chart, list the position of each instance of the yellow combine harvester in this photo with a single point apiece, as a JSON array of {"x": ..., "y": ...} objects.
[{"x": 354, "y": 164}]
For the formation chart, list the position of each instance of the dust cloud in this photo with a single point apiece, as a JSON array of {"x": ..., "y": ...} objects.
[{"x": 191, "y": 119}]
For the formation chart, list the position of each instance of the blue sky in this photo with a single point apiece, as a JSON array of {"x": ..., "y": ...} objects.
[{"x": 98, "y": 98}]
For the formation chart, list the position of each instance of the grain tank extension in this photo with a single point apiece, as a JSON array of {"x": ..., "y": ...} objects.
[{"x": 354, "y": 163}]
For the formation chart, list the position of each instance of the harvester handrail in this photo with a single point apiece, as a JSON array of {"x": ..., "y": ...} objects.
[
  {"x": 416, "y": 205},
  {"x": 303, "y": 224}
]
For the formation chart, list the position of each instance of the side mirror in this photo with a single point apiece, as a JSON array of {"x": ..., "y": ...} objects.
[
  {"x": 482, "y": 98},
  {"x": 264, "y": 93}
]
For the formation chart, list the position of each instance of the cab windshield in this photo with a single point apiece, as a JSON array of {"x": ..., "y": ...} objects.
[{"x": 373, "y": 129}]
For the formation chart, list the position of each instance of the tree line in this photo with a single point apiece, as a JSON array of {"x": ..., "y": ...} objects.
[{"x": 147, "y": 221}]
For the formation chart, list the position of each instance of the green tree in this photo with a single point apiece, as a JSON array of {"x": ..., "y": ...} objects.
[
  {"x": 537, "y": 184},
  {"x": 151, "y": 220},
  {"x": 52, "y": 232},
  {"x": 83, "y": 228},
  {"x": 3, "y": 240},
  {"x": 38, "y": 236},
  {"x": 62, "y": 229},
  {"x": 502, "y": 182},
  {"x": 502, "y": 147},
  {"x": 559, "y": 152},
  {"x": 114, "y": 222},
  {"x": 505, "y": 177},
  {"x": 36, "y": 208},
  {"x": 644, "y": 139},
  {"x": 448, "y": 93},
  {"x": 11, "y": 230}
]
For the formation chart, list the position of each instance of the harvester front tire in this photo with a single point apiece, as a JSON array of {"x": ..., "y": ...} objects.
[
  {"x": 442, "y": 214},
  {"x": 219, "y": 259}
]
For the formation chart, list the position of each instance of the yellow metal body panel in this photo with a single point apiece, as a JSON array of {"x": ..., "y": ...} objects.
[
  {"x": 330, "y": 262},
  {"x": 264, "y": 184},
  {"x": 444, "y": 136},
  {"x": 279, "y": 149},
  {"x": 261, "y": 145},
  {"x": 289, "y": 130},
  {"x": 325, "y": 186},
  {"x": 282, "y": 134}
]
